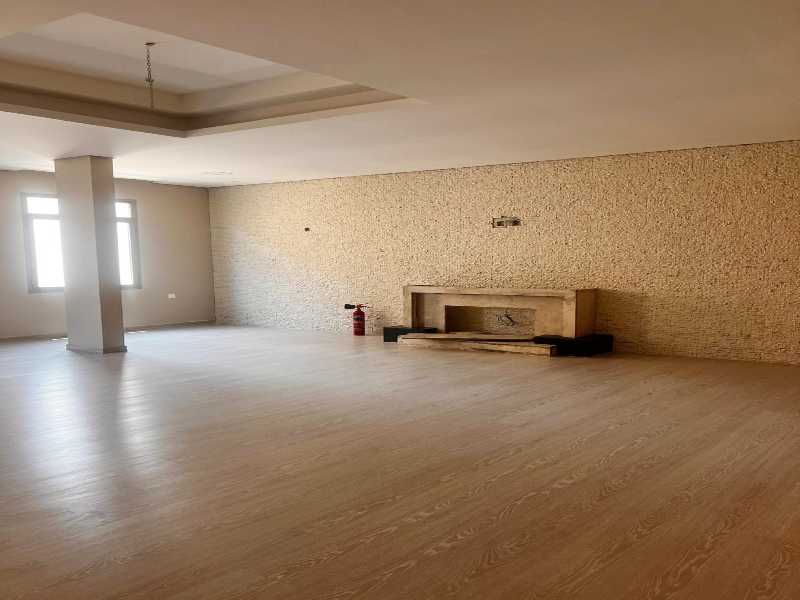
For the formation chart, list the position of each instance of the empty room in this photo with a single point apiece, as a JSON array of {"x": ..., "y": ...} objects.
[{"x": 412, "y": 300}]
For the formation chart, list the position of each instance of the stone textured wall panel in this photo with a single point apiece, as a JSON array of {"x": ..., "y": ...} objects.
[{"x": 695, "y": 252}]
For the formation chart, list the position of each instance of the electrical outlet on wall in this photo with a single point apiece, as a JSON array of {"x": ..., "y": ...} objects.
[
  {"x": 507, "y": 222},
  {"x": 170, "y": 295}
]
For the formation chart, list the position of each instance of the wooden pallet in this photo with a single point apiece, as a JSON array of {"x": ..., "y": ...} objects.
[{"x": 451, "y": 344}]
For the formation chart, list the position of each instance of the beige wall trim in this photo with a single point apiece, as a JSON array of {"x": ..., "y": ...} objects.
[
  {"x": 63, "y": 334},
  {"x": 92, "y": 350},
  {"x": 170, "y": 325},
  {"x": 31, "y": 338}
]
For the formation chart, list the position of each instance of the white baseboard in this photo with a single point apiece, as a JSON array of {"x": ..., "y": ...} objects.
[{"x": 63, "y": 334}]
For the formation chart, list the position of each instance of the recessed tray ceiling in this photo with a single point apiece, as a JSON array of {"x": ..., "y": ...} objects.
[{"x": 89, "y": 69}]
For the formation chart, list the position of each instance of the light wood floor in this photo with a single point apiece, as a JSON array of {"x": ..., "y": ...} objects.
[{"x": 223, "y": 463}]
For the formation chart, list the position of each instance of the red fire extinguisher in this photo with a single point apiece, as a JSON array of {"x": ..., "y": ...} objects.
[{"x": 358, "y": 318}]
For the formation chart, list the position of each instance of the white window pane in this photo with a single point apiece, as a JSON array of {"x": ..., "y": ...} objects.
[
  {"x": 123, "y": 209},
  {"x": 125, "y": 253},
  {"x": 42, "y": 206},
  {"x": 47, "y": 245}
]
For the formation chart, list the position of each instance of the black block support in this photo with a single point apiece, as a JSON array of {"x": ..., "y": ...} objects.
[
  {"x": 390, "y": 334},
  {"x": 587, "y": 345}
]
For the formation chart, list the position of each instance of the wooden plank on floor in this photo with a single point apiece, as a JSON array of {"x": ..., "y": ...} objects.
[
  {"x": 472, "y": 336},
  {"x": 512, "y": 347}
]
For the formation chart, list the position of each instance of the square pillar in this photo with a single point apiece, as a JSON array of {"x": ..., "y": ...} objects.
[{"x": 86, "y": 196}]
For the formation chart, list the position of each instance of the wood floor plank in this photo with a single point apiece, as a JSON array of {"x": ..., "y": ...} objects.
[{"x": 239, "y": 463}]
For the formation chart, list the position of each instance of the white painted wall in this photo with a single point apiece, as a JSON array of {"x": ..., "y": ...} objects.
[{"x": 175, "y": 247}]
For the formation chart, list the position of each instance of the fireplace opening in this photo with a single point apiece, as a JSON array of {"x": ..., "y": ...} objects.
[{"x": 489, "y": 319}]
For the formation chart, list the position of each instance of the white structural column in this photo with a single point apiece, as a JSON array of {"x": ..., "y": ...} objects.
[{"x": 85, "y": 186}]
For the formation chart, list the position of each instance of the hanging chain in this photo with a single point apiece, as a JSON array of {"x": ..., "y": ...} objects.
[{"x": 149, "y": 78}]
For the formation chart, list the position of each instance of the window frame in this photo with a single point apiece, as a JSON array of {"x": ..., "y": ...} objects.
[
  {"x": 30, "y": 250},
  {"x": 133, "y": 221}
]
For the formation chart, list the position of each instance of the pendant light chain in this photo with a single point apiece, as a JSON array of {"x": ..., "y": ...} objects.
[{"x": 149, "y": 78}]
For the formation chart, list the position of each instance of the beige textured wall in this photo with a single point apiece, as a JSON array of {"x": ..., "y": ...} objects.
[
  {"x": 175, "y": 249},
  {"x": 694, "y": 252}
]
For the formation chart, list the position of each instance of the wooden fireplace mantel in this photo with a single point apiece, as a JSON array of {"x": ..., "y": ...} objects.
[{"x": 568, "y": 313}]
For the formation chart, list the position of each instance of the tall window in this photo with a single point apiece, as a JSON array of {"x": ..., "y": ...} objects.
[
  {"x": 128, "y": 244},
  {"x": 43, "y": 243}
]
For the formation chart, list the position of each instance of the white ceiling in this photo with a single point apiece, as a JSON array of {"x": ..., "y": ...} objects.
[
  {"x": 91, "y": 45},
  {"x": 506, "y": 81}
]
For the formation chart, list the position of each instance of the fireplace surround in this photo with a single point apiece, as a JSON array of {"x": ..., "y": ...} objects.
[{"x": 565, "y": 313}]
